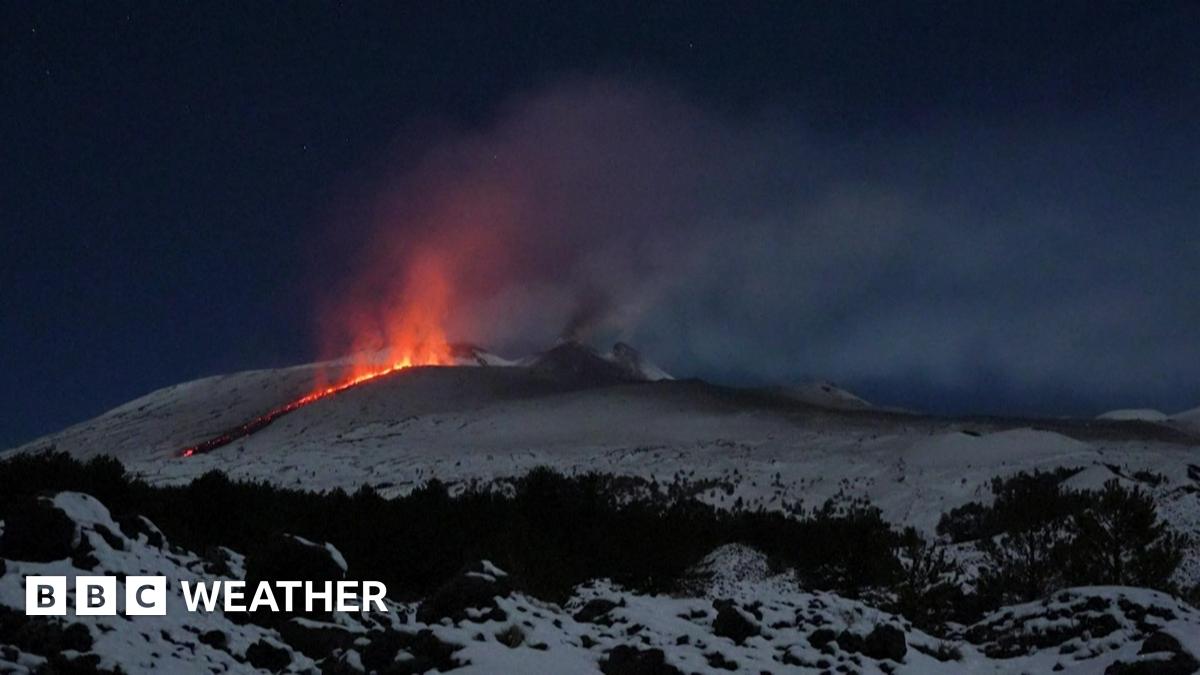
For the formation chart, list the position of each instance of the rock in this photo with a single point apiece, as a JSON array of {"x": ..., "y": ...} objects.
[
  {"x": 1160, "y": 642},
  {"x": 718, "y": 660},
  {"x": 628, "y": 660},
  {"x": 134, "y": 526},
  {"x": 215, "y": 639},
  {"x": 38, "y": 531},
  {"x": 111, "y": 538},
  {"x": 851, "y": 642},
  {"x": 821, "y": 637},
  {"x": 315, "y": 639},
  {"x": 80, "y": 664},
  {"x": 289, "y": 557},
  {"x": 83, "y": 556},
  {"x": 426, "y": 651},
  {"x": 886, "y": 642},
  {"x": 596, "y": 611},
  {"x": 475, "y": 588},
  {"x": 511, "y": 637},
  {"x": 1031, "y": 628},
  {"x": 42, "y": 635},
  {"x": 1180, "y": 663},
  {"x": 217, "y": 561},
  {"x": 267, "y": 656},
  {"x": 732, "y": 624}
]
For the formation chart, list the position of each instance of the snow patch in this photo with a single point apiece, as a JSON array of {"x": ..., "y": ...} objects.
[{"x": 1134, "y": 414}]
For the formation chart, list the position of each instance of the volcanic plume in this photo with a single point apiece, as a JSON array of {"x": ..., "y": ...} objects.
[
  {"x": 401, "y": 333},
  {"x": 405, "y": 328}
]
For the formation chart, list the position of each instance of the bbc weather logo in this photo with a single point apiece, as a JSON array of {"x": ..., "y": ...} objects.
[
  {"x": 147, "y": 596},
  {"x": 96, "y": 596}
]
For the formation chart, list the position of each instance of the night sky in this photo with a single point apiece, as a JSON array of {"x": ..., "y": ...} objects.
[{"x": 984, "y": 207}]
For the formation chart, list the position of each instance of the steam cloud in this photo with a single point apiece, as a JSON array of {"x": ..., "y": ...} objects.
[{"x": 751, "y": 247}]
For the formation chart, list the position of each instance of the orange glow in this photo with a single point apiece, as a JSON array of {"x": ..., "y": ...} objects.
[{"x": 405, "y": 330}]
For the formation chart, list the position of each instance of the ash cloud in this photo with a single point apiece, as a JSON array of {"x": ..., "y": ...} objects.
[
  {"x": 988, "y": 263},
  {"x": 592, "y": 307}
]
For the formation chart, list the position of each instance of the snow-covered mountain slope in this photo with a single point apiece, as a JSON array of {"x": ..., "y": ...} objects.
[
  {"x": 582, "y": 365},
  {"x": 563, "y": 410},
  {"x": 1143, "y": 414},
  {"x": 746, "y": 620},
  {"x": 1188, "y": 419},
  {"x": 824, "y": 395}
]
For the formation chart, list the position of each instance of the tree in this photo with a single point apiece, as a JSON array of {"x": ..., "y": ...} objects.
[{"x": 1120, "y": 540}]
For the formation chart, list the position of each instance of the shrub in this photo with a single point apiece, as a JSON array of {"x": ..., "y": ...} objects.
[
  {"x": 1038, "y": 536},
  {"x": 929, "y": 592},
  {"x": 1119, "y": 540},
  {"x": 549, "y": 531}
]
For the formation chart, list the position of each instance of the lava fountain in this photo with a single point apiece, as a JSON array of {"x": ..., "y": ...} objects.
[{"x": 404, "y": 331}]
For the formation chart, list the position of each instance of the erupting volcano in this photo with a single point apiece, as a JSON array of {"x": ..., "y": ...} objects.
[{"x": 403, "y": 333}]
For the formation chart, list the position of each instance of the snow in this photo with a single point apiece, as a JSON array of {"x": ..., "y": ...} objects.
[
  {"x": 161, "y": 643},
  {"x": 484, "y": 425},
  {"x": 825, "y": 395},
  {"x": 1188, "y": 419},
  {"x": 1031, "y": 637},
  {"x": 959, "y": 450},
  {"x": 1134, "y": 414},
  {"x": 334, "y": 554}
]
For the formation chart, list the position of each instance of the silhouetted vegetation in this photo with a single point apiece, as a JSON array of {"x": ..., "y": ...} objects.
[
  {"x": 550, "y": 532},
  {"x": 1039, "y": 536},
  {"x": 1024, "y": 501}
]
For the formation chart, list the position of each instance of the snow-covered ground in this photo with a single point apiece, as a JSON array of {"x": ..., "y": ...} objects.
[
  {"x": 480, "y": 424},
  {"x": 741, "y": 618},
  {"x": 577, "y": 410},
  {"x": 1130, "y": 414}
]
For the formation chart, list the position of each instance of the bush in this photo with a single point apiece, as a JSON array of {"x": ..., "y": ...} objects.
[
  {"x": 1038, "y": 537},
  {"x": 1120, "y": 541},
  {"x": 1024, "y": 564},
  {"x": 929, "y": 592},
  {"x": 550, "y": 532},
  {"x": 1022, "y": 502},
  {"x": 553, "y": 532}
]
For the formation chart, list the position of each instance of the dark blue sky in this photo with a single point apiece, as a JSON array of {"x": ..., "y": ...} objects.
[{"x": 957, "y": 206}]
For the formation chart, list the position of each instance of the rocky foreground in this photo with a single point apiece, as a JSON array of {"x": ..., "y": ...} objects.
[{"x": 737, "y": 617}]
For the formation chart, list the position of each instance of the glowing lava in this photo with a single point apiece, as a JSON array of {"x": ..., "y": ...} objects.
[
  {"x": 261, "y": 421},
  {"x": 404, "y": 331}
]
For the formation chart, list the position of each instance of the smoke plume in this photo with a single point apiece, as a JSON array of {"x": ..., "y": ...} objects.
[{"x": 748, "y": 246}]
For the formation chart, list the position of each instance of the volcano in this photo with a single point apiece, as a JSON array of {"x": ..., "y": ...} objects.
[
  {"x": 578, "y": 363},
  {"x": 481, "y": 421},
  {"x": 482, "y": 417},
  {"x": 569, "y": 362}
]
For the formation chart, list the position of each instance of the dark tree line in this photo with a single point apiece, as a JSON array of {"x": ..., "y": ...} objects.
[
  {"x": 552, "y": 532},
  {"x": 1039, "y": 536}
]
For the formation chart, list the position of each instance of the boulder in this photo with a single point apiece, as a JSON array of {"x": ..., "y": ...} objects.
[
  {"x": 731, "y": 623},
  {"x": 287, "y": 556},
  {"x": 267, "y": 656},
  {"x": 886, "y": 642},
  {"x": 470, "y": 595},
  {"x": 38, "y": 531},
  {"x": 629, "y": 660},
  {"x": 43, "y": 635},
  {"x": 821, "y": 637},
  {"x": 315, "y": 639},
  {"x": 596, "y": 611},
  {"x": 1160, "y": 642}
]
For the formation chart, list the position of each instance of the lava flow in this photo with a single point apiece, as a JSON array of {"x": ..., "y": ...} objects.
[
  {"x": 263, "y": 420},
  {"x": 404, "y": 332}
]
